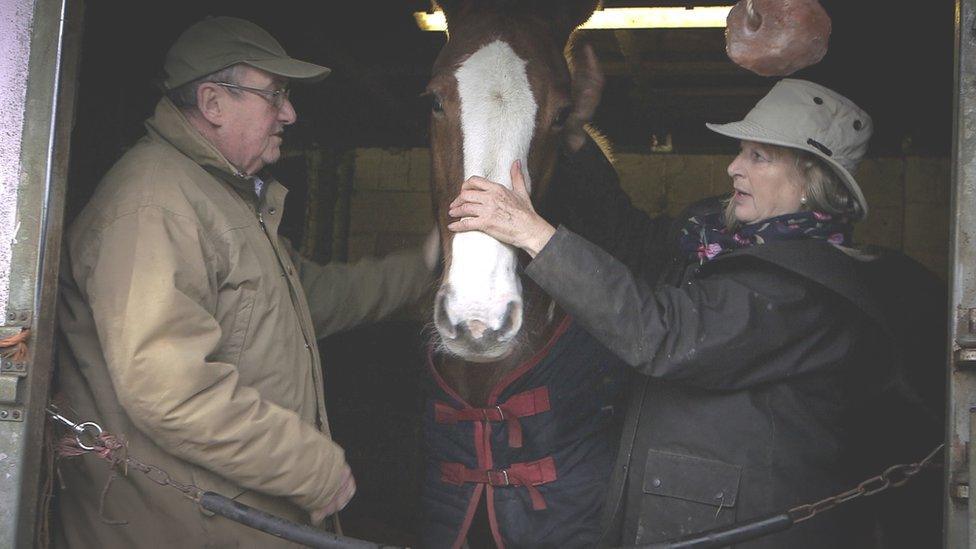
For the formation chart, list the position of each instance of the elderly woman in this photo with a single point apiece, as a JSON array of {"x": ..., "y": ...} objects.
[{"x": 752, "y": 338}]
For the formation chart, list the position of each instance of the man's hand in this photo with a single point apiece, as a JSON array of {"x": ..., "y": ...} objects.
[
  {"x": 587, "y": 88},
  {"x": 341, "y": 499},
  {"x": 503, "y": 214}
]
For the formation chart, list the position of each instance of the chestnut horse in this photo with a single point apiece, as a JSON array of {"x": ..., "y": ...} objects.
[{"x": 500, "y": 422}]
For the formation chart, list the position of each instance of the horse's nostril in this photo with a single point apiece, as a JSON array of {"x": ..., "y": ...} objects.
[
  {"x": 513, "y": 320},
  {"x": 476, "y": 328},
  {"x": 441, "y": 319}
]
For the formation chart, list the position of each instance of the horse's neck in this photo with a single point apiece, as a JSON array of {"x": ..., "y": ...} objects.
[{"x": 475, "y": 381}]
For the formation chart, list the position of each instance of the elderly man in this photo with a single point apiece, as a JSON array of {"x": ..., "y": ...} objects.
[{"x": 189, "y": 326}]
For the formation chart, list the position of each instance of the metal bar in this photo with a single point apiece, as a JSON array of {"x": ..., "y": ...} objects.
[
  {"x": 33, "y": 502},
  {"x": 724, "y": 537},
  {"x": 972, "y": 467},
  {"x": 960, "y": 465},
  {"x": 277, "y": 526}
]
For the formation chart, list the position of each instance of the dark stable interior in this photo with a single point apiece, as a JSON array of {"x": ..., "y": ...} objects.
[{"x": 893, "y": 58}]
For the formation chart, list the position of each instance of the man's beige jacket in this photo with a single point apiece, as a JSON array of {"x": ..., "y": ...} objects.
[{"x": 189, "y": 327}]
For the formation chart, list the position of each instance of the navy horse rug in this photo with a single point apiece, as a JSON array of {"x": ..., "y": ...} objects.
[{"x": 539, "y": 454}]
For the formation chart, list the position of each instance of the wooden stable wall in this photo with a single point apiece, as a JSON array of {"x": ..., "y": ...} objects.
[
  {"x": 908, "y": 198},
  {"x": 375, "y": 375}
]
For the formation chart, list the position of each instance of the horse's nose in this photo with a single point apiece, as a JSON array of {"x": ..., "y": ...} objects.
[
  {"x": 478, "y": 330},
  {"x": 481, "y": 332},
  {"x": 512, "y": 321},
  {"x": 442, "y": 321}
]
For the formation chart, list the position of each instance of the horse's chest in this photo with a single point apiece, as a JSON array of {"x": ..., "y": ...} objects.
[
  {"x": 544, "y": 434},
  {"x": 473, "y": 383}
]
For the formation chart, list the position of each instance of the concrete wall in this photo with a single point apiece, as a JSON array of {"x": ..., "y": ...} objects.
[
  {"x": 908, "y": 198},
  {"x": 15, "y": 22}
]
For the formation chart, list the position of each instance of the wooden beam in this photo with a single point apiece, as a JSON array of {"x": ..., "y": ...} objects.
[{"x": 673, "y": 68}]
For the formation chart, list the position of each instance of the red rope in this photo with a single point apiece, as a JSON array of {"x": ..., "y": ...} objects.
[
  {"x": 15, "y": 346},
  {"x": 106, "y": 447}
]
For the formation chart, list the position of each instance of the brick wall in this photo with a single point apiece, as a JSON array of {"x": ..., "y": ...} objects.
[
  {"x": 908, "y": 197},
  {"x": 390, "y": 205}
]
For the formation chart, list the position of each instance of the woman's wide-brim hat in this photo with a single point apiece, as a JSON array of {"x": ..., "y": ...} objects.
[{"x": 807, "y": 116}]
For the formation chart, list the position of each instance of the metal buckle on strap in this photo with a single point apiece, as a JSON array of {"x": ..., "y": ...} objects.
[
  {"x": 493, "y": 476},
  {"x": 485, "y": 413}
]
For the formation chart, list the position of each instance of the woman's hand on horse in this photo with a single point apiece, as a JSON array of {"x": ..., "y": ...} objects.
[{"x": 504, "y": 214}]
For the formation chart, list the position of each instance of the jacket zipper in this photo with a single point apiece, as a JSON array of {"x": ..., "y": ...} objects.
[
  {"x": 323, "y": 422},
  {"x": 291, "y": 288}
]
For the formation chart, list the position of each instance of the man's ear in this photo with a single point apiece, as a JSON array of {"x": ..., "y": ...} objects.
[{"x": 210, "y": 103}]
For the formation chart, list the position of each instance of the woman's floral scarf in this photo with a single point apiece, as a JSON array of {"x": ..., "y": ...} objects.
[{"x": 704, "y": 237}]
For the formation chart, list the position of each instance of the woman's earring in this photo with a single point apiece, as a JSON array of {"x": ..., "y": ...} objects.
[{"x": 803, "y": 200}]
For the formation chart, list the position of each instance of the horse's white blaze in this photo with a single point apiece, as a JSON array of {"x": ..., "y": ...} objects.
[{"x": 497, "y": 122}]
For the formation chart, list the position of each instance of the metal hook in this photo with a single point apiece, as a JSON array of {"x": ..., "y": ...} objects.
[
  {"x": 53, "y": 412},
  {"x": 95, "y": 437},
  {"x": 88, "y": 428}
]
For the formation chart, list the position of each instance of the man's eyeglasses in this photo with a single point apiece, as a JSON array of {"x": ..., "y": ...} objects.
[{"x": 275, "y": 97}]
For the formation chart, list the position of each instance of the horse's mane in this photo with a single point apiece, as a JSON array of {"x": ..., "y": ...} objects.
[
  {"x": 602, "y": 141},
  {"x": 574, "y": 13},
  {"x": 507, "y": 4}
]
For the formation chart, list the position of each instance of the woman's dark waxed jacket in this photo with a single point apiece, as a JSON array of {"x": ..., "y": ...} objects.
[{"x": 754, "y": 364}]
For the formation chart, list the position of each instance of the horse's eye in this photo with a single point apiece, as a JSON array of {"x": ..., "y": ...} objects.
[
  {"x": 435, "y": 104},
  {"x": 561, "y": 117}
]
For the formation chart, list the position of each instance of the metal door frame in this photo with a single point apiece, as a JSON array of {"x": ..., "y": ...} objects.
[
  {"x": 960, "y": 513},
  {"x": 47, "y": 99},
  {"x": 45, "y": 92}
]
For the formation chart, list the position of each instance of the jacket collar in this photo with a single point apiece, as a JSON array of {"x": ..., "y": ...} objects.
[
  {"x": 816, "y": 260},
  {"x": 170, "y": 125}
]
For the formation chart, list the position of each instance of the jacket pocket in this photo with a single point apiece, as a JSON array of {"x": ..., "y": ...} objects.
[
  {"x": 685, "y": 494},
  {"x": 240, "y": 325}
]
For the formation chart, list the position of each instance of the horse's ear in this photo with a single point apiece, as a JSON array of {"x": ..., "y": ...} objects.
[
  {"x": 445, "y": 5},
  {"x": 573, "y": 13},
  {"x": 451, "y": 8}
]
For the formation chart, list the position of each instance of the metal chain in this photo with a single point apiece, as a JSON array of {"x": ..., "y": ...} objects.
[
  {"x": 162, "y": 478},
  {"x": 94, "y": 432},
  {"x": 892, "y": 477}
]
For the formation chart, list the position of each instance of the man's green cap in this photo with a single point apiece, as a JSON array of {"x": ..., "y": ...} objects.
[{"x": 216, "y": 43}]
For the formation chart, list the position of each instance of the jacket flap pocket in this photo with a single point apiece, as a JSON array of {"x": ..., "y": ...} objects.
[{"x": 691, "y": 478}]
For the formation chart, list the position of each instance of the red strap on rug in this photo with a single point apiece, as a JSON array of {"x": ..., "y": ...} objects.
[
  {"x": 524, "y": 404},
  {"x": 529, "y": 475}
]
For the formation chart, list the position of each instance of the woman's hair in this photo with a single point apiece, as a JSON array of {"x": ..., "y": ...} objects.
[{"x": 823, "y": 188}]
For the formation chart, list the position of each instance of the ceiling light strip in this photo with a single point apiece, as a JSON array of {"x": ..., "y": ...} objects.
[{"x": 621, "y": 18}]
